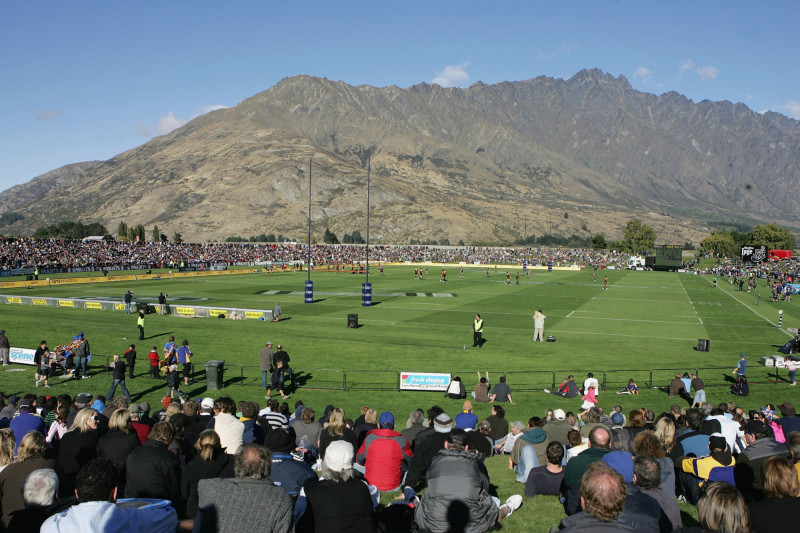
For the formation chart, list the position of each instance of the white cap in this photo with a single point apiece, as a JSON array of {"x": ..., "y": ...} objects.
[
  {"x": 339, "y": 455},
  {"x": 559, "y": 414},
  {"x": 207, "y": 403}
]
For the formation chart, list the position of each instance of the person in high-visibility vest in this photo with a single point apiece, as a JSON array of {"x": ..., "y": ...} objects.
[
  {"x": 477, "y": 332},
  {"x": 140, "y": 324}
]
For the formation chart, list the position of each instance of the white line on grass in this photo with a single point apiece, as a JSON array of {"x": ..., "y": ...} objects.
[
  {"x": 697, "y": 316},
  {"x": 753, "y": 310}
]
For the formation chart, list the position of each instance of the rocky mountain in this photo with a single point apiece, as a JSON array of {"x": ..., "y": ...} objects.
[
  {"x": 20, "y": 195},
  {"x": 487, "y": 164}
]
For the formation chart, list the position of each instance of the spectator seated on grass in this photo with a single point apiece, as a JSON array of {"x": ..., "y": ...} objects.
[
  {"x": 602, "y": 495},
  {"x": 530, "y": 449},
  {"x": 457, "y": 498},
  {"x": 96, "y": 489},
  {"x": 599, "y": 441},
  {"x": 761, "y": 445},
  {"x": 384, "y": 455},
  {"x": 547, "y": 479},
  {"x": 696, "y": 471}
]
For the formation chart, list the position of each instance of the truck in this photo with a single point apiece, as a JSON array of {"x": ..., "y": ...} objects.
[
  {"x": 778, "y": 255},
  {"x": 634, "y": 262}
]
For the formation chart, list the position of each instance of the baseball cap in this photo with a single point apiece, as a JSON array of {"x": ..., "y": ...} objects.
[
  {"x": 443, "y": 423},
  {"x": 617, "y": 419},
  {"x": 755, "y": 427},
  {"x": 787, "y": 409},
  {"x": 559, "y": 414},
  {"x": 207, "y": 403},
  {"x": 145, "y": 406},
  {"x": 743, "y": 356},
  {"x": 135, "y": 408},
  {"x": 279, "y": 440},
  {"x": 25, "y": 404},
  {"x": 83, "y": 398},
  {"x": 387, "y": 419},
  {"x": 485, "y": 426},
  {"x": 269, "y": 343},
  {"x": 716, "y": 441},
  {"x": 622, "y": 462},
  {"x": 180, "y": 420},
  {"x": 339, "y": 455}
]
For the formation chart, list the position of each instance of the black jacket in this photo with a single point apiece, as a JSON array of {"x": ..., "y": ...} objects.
[
  {"x": 116, "y": 446},
  {"x": 153, "y": 472},
  {"x": 221, "y": 465}
]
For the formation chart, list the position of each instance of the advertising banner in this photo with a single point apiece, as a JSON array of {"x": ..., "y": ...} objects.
[
  {"x": 754, "y": 254},
  {"x": 21, "y": 355},
  {"x": 186, "y": 311},
  {"x": 424, "y": 381},
  {"x": 14, "y": 300}
]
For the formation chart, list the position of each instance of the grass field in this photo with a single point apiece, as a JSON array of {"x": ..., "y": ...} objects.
[{"x": 644, "y": 326}]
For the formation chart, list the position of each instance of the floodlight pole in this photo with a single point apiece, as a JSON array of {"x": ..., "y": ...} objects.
[
  {"x": 309, "y": 289},
  {"x": 366, "y": 287},
  {"x": 308, "y": 266},
  {"x": 369, "y": 165}
]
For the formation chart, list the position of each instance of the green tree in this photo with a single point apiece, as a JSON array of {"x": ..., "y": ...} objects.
[
  {"x": 122, "y": 230},
  {"x": 177, "y": 238},
  {"x": 720, "y": 243},
  {"x": 639, "y": 237},
  {"x": 599, "y": 242},
  {"x": 357, "y": 238},
  {"x": 156, "y": 234},
  {"x": 330, "y": 237},
  {"x": 773, "y": 237}
]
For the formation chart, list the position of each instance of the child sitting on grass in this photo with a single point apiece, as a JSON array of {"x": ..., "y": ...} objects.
[{"x": 630, "y": 389}]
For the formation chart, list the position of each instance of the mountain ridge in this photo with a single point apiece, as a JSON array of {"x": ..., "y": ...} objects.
[{"x": 474, "y": 164}]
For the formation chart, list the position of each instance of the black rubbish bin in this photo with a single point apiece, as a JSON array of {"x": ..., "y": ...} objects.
[
  {"x": 214, "y": 372},
  {"x": 352, "y": 321}
]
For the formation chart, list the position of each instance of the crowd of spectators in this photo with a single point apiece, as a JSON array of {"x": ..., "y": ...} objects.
[
  {"x": 20, "y": 253},
  {"x": 218, "y": 465}
]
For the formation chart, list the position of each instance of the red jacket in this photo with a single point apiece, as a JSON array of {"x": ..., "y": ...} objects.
[
  {"x": 153, "y": 356},
  {"x": 383, "y": 452}
]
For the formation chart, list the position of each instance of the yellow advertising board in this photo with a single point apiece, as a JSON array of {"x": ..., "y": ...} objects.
[
  {"x": 186, "y": 311},
  {"x": 93, "y": 305},
  {"x": 253, "y": 314},
  {"x": 39, "y": 301},
  {"x": 66, "y": 303},
  {"x": 214, "y": 313},
  {"x": 119, "y": 307},
  {"x": 14, "y": 300}
]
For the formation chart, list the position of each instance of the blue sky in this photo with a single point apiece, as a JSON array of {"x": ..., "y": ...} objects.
[{"x": 87, "y": 80}]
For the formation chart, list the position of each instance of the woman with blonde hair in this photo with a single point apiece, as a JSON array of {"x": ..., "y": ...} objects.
[
  {"x": 119, "y": 442},
  {"x": 30, "y": 457},
  {"x": 7, "y": 445},
  {"x": 335, "y": 430},
  {"x": 210, "y": 462},
  {"x": 722, "y": 510},
  {"x": 780, "y": 509},
  {"x": 172, "y": 409},
  {"x": 77, "y": 447},
  {"x": 665, "y": 431}
]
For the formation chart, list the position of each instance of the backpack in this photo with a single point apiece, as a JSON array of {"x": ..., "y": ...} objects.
[{"x": 621, "y": 440}]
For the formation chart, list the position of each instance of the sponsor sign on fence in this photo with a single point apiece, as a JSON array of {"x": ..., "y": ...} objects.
[
  {"x": 424, "y": 381},
  {"x": 21, "y": 355}
]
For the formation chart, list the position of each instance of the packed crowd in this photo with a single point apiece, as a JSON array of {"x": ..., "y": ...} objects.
[
  {"x": 18, "y": 253},
  {"x": 218, "y": 465}
]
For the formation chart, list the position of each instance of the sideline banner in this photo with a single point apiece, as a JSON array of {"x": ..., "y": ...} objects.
[
  {"x": 21, "y": 355},
  {"x": 424, "y": 381}
]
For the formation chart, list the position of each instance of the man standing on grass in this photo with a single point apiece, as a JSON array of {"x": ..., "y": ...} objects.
[
  {"x": 140, "y": 324},
  {"x": 538, "y": 326},
  {"x": 477, "y": 332},
  {"x": 276, "y": 313},
  {"x": 130, "y": 357},
  {"x": 5, "y": 347},
  {"x": 266, "y": 363},
  {"x": 128, "y": 302}
]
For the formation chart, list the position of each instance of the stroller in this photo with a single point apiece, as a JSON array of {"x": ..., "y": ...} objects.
[{"x": 741, "y": 387}]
